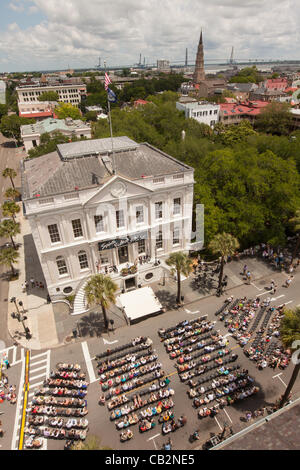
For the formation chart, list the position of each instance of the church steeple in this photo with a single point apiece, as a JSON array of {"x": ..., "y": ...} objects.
[{"x": 199, "y": 74}]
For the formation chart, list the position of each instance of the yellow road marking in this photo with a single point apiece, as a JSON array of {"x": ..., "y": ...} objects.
[{"x": 26, "y": 389}]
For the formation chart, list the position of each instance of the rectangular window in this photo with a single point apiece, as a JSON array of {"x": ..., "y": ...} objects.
[
  {"x": 141, "y": 246},
  {"x": 177, "y": 206},
  {"x": 159, "y": 180},
  {"x": 71, "y": 196},
  {"x": 61, "y": 266},
  {"x": 178, "y": 177},
  {"x": 48, "y": 200},
  {"x": 176, "y": 236},
  {"x": 104, "y": 259},
  {"x": 54, "y": 233},
  {"x": 83, "y": 261},
  {"x": 158, "y": 210},
  {"x": 120, "y": 219},
  {"x": 77, "y": 229},
  {"x": 139, "y": 213},
  {"x": 159, "y": 239},
  {"x": 99, "y": 225}
]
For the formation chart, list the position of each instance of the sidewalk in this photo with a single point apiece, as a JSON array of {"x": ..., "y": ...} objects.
[{"x": 40, "y": 317}]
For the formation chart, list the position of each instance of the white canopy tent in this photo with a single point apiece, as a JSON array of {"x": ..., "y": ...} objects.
[{"x": 139, "y": 303}]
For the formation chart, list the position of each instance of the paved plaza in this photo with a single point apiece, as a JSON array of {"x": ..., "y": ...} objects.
[{"x": 52, "y": 341}]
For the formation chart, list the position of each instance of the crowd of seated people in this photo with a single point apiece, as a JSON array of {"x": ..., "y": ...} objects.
[
  {"x": 62, "y": 395},
  {"x": 146, "y": 414},
  {"x": 125, "y": 378},
  {"x": 255, "y": 326},
  {"x": 225, "y": 383},
  {"x": 120, "y": 380}
]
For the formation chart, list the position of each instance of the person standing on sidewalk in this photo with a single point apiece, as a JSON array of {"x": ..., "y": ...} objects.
[{"x": 248, "y": 275}]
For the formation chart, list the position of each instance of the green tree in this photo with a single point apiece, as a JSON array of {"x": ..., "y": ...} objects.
[
  {"x": 11, "y": 174},
  {"x": 10, "y": 125},
  {"x": 91, "y": 116},
  {"x": 290, "y": 337},
  {"x": 49, "y": 96},
  {"x": 247, "y": 75},
  {"x": 181, "y": 264},
  {"x": 8, "y": 257},
  {"x": 295, "y": 223},
  {"x": 225, "y": 245},
  {"x": 9, "y": 229},
  {"x": 49, "y": 142},
  {"x": 237, "y": 133},
  {"x": 91, "y": 443},
  {"x": 100, "y": 290},
  {"x": 12, "y": 193},
  {"x": 10, "y": 209},
  {"x": 65, "y": 110},
  {"x": 275, "y": 118},
  {"x": 3, "y": 110}
]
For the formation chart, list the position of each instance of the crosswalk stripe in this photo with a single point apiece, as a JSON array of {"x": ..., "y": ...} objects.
[{"x": 88, "y": 361}]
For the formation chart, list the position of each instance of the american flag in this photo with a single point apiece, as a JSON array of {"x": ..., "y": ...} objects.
[{"x": 107, "y": 81}]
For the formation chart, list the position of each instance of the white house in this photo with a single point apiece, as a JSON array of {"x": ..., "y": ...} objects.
[
  {"x": 202, "y": 111},
  {"x": 31, "y": 133},
  {"x": 93, "y": 210}
]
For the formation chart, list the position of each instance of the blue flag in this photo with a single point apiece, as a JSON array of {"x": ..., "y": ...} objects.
[{"x": 111, "y": 96}]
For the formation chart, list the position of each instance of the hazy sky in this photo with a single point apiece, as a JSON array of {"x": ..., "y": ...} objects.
[{"x": 50, "y": 34}]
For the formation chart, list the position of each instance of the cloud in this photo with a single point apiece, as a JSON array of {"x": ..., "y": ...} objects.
[
  {"x": 78, "y": 32},
  {"x": 16, "y": 6}
]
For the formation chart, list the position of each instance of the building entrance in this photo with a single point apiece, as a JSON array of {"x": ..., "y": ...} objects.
[
  {"x": 123, "y": 254},
  {"x": 130, "y": 283}
]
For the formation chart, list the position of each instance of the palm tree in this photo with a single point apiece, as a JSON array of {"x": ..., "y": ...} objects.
[
  {"x": 101, "y": 289},
  {"x": 12, "y": 193},
  {"x": 91, "y": 443},
  {"x": 8, "y": 256},
  {"x": 295, "y": 221},
  {"x": 290, "y": 337},
  {"x": 9, "y": 229},
  {"x": 10, "y": 209},
  {"x": 181, "y": 264},
  {"x": 225, "y": 245},
  {"x": 10, "y": 173}
]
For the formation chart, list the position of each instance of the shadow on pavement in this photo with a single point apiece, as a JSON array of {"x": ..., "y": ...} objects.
[{"x": 91, "y": 325}]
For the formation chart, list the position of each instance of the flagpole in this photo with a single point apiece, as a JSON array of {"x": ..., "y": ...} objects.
[{"x": 110, "y": 127}]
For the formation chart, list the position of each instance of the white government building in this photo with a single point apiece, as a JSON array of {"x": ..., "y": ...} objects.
[{"x": 121, "y": 213}]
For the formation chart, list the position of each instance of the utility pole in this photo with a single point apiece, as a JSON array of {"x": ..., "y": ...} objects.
[{"x": 186, "y": 57}]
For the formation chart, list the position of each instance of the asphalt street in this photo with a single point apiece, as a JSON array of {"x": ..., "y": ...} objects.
[{"x": 271, "y": 382}]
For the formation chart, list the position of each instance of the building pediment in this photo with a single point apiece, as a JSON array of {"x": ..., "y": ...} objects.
[{"x": 118, "y": 188}]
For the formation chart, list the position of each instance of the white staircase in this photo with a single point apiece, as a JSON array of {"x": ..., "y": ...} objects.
[{"x": 80, "y": 305}]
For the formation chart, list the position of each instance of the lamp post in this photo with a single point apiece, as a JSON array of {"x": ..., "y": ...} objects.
[{"x": 20, "y": 318}]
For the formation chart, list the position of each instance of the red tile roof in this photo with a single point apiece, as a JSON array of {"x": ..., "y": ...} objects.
[
  {"x": 140, "y": 102},
  {"x": 291, "y": 88},
  {"x": 38, "y": 115},
  {"x": 276, "y": 83},
  {"x": 250, "y": 108}
]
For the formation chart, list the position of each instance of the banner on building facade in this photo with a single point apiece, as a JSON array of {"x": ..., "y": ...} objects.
[{"x": 118, "y": 242}]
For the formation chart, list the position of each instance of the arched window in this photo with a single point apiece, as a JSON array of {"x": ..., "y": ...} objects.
[
  {"x": 61, "y": 265},
  {"x": 83, "y": 261}
]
